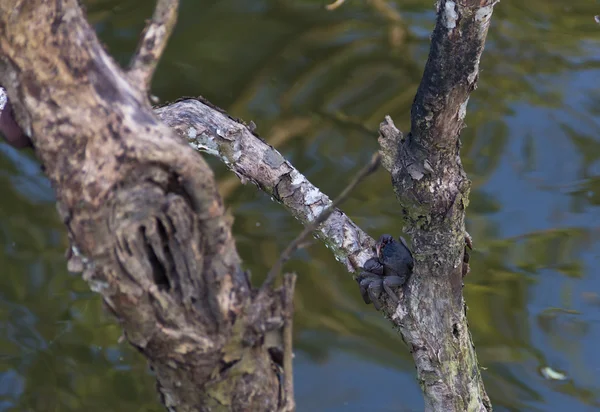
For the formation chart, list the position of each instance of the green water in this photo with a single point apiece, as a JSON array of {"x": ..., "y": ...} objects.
[{"x": 317, "y": 84}]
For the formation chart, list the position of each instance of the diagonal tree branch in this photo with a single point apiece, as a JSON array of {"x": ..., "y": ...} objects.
[
  {"x": 153, "y": 42},
  {"x": 295, "y": 244},
  {"x": 211, "y": 130}
]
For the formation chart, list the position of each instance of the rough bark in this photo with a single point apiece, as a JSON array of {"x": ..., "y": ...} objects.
[
  {"x": 426, "y": 173},
  {"x": 146, "y": 223},
  {"x": 433, "y": 189}
]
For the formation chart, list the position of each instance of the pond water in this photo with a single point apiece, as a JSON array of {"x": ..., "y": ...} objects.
[{"x": 317, "y": 84}]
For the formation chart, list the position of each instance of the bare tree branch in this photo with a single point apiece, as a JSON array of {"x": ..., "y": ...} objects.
[
  {"x": 433, "y": 189},
  {"x": 308, "y": 229},
  {"x": 153, "y": 42},
  {"x": 213, "y": 131},
  {"x": 429, "y": 181}
]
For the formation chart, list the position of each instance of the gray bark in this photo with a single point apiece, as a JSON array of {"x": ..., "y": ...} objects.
[{"x": 211, "y": 130}]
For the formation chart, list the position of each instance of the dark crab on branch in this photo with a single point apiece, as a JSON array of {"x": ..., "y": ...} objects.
[{"x": 390, "y": 269}]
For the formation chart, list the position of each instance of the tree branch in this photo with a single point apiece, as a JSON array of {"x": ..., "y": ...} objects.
[
  {"x": 429, "y": 181},
  {"x": 152, "y": 44},
  {"x": 308, "y": 229},
  {"x": 433, "y": 189},
  {"x": 211, "y": 130}
]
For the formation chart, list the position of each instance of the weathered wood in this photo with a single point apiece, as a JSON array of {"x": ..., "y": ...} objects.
[
  {"x": 211, "y": 130},
  {"x": 430, "y": 183},
  {"x": 433, "y": 190},
  {"x": 147, "y": 225}
]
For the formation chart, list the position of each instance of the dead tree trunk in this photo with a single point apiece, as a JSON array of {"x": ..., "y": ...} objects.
[
  {"x": 147, "y": 226},
  {"x": 150, "y": 233}
]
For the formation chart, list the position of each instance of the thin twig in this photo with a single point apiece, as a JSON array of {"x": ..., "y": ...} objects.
[
  {"x": 308, "y": 229},
  {"x": 153, "y": 42},
  {"x": 289, "y": 284}
]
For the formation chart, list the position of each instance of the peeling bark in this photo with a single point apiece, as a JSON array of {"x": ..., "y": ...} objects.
[{"x": 211, "y": 130}]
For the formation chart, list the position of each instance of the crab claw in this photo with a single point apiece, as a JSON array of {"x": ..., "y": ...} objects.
[{"x": 383, "y": 240}]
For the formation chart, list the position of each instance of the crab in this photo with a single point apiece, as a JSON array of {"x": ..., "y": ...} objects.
[{"x": 389, "y": 269}]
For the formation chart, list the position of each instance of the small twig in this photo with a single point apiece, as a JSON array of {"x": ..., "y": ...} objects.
[
  {"x": 289, "y": 284},
  {"x": 308, "y": 229},
  {"x": 335, "y": 4},
  {"x": 153, "y": 42}
]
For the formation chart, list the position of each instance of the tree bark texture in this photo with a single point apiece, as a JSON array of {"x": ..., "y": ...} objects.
[
  {"x": 146, "y": 223},
  {"x": 433, "y": 190},
  {"x": 150, "y": 230}
]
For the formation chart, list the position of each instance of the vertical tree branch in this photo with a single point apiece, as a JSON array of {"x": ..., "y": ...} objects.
[{"x": 433, "y": 189}]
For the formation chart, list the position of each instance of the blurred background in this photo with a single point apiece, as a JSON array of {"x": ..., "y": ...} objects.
[{"x": 317, "y": 83}]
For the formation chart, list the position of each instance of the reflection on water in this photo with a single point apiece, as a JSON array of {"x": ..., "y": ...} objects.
[{"x": 317, "y": 84}]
